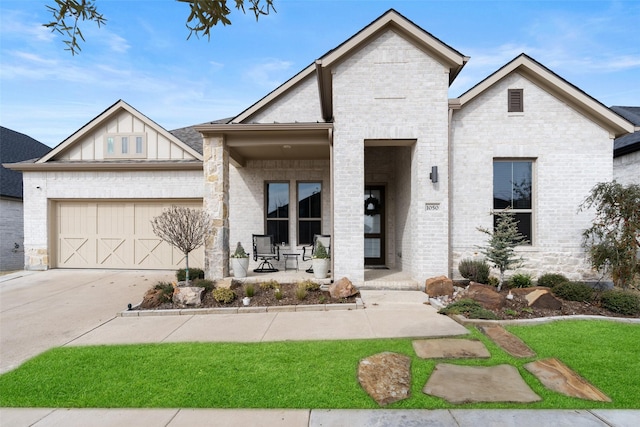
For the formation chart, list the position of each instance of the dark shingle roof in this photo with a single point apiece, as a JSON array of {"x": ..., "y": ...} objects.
[
  {"x": 16, "y": 147},
  {"x": 192, "y": 137},
  {"x": 631, "y": 142}
]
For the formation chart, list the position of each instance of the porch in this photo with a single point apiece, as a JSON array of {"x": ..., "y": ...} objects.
[{"x": 378, "y": 279}]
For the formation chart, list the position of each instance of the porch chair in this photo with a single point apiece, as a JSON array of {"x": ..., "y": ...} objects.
[
  {"x": 265, "y": 250},
  {"x": 326, "y": 241}
]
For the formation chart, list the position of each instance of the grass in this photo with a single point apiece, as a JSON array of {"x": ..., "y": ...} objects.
[{"x": 314, "y": 374}]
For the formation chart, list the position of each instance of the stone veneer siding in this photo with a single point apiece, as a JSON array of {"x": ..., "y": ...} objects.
[
  {"x": 41, "y": 189},
  {"x": 570, "y": 154}
]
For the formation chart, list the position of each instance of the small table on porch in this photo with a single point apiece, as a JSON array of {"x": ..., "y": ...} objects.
[{"x": 292, "y": 258}]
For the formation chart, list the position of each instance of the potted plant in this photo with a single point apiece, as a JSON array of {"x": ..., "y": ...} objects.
[
  {"x": 239, "y": 261},
  {"x": 320, "y": 261}
]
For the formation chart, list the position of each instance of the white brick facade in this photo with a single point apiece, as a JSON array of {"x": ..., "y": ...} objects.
[
  {"x": 626, "y": 169},
  {"x": 570, "y": 155}
]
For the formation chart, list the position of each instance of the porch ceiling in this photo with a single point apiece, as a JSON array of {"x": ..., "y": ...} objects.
[{"x": 273, "y": 141}]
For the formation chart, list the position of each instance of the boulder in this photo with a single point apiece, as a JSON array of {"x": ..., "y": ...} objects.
[
  {"x": 486, "y": 295},
  {"x": 439, "y": 286},
  {"x": 543, "y": 299},
  {"x": 188, "y": 296},
  {"x": 342, "y": 288},
  {"x": 386, "y": 377},
  {"x": 527, "y": 291},
  {"x": 153, "y": 299}
]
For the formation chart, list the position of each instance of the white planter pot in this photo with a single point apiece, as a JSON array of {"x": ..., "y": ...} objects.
[
  {"x": 246, "y": 301},
  {"x": 320, "y": 267},
  {"x": 240, "y": 266}
]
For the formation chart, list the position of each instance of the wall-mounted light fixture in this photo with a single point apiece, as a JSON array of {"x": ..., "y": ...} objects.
[{"x": 434, "y": 174}]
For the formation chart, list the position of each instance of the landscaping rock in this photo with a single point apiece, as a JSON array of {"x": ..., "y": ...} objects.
[
  {"x": 450, "y": 348},
  {"x": 188, "y": 296},
  {"x": 153, "y": 299},
  {"x": 386, "y": 377},
  {"x": 556, "y": 376},
  {"x": 466, "y": 384},
  {"x": 342, "y": 288},
  {"x": 527, "y": 291},
  {"x": 545, "y": 301},
  {"x": 485, "y": 295},
  {"x": 439, "y": 286},
  {"x": 507, "y": 341}
]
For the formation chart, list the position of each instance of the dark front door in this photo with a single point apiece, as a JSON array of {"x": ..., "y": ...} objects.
[{"x": 374, "y": 225}]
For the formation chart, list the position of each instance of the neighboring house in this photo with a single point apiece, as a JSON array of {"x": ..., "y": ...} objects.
[
  {"x": 365, "y": 145},
  {"x": 626, "y": 152},
  {"x": 14, "y": 147}
]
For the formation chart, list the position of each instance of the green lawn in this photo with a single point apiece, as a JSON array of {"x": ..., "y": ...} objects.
[{"x": 319, "y": 374}]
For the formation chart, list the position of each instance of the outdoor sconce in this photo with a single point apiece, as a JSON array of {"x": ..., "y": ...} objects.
[{"x": 434, "y": 174}]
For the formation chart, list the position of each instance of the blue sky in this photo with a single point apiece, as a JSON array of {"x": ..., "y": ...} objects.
[{"x": 143, "y": 57}]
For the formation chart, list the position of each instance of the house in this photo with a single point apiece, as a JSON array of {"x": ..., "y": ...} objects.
[
  {"x": 14, "y": 147},
  {"x": 626, "y": 152},
  {"x": 364, "y": 144}
]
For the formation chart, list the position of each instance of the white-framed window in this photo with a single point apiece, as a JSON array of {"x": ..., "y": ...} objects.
[
  {"x": 125, "y": 146},
  {"x": 513, "y": 190}
]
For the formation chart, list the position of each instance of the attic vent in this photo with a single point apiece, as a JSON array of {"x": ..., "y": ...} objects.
[{"x": 515, "y": 101}]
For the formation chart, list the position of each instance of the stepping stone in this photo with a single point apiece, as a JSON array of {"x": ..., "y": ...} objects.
[
  {"x": 450, "y": 348},
  {"x": 507, "y": 341},
  {"x": 467, "y": 384},
  {"x": 386, "y": 377},
  {"x": 557, "y": 376}
]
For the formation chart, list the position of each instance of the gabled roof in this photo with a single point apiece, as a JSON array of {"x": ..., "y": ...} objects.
[
  {"x": 389, "y": 20},
  {"x": 630, "y": 143},
  {"x": 557, "y": 86},
  {"x": 16, "y": 147},
  {"x": 120, "y": 105}
]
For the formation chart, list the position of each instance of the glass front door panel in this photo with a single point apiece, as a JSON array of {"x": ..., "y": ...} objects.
[{"x": 374, "y": 225}]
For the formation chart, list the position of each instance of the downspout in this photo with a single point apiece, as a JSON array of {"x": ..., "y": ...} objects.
[{"x": 454, "y": 104}]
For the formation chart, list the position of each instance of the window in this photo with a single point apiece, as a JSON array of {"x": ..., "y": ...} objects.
[
  {"x": 120, "y": 146},
  {"x": 512, "y": 188},
  {"x": 309, "y": 211},
  {"x": 277, "y": 194},
  {"x": 515, "y": 100}
]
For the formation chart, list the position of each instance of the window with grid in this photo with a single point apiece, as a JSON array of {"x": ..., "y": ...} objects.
[
  {"x": 309, "y": 211},
  {"x": 513, "y": 190},
  {"x": 277, "y": 209}
]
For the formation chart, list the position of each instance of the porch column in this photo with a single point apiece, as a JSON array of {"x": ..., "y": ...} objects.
[{"x": 216, "y": 204}]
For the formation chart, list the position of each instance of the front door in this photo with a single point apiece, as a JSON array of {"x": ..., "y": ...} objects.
[{"x": 374, "y": 225}]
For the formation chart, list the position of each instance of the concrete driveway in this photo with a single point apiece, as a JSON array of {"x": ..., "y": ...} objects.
[{"x": 41, "y": 310}]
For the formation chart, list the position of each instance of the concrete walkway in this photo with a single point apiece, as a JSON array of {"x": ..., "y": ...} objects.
[{"x": 42, "y": 310}]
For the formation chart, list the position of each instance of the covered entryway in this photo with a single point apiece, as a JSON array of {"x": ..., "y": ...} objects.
[{"x": 115, "y": 234}]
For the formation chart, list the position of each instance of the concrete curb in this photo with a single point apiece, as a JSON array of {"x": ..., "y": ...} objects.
[{"x": 358, "y": 305}]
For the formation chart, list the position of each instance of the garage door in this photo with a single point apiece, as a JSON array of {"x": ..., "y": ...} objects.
[{"x": 116, "y": 234}]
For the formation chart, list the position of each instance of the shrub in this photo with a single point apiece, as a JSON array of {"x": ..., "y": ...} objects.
[
  {"x": 574, "y": 291},
  {"x": 301, "y": 292},
  {"x": 476, "y": 270},
  {"x": 278, "y": 294},
  {"x": 167, "y": 291},
  {"x": 621, "y": 302},
  {"x": 309, "y": 285},
  {"x": 208, "y": 285},
  {"x": 551, "y": 280},
  {"x": 224, "y": 295},
  {"x": 469, "y": 308},
  {"x": 271, "y": 284},
  {"x": 520, "y": 280},
  {"x": 249, "y": 290},
  {"x": 194, "y": 273},
  {"x": 493, "y": 281}
]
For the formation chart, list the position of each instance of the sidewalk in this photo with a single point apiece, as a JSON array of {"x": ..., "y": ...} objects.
[{"x": 59, "y": 307}]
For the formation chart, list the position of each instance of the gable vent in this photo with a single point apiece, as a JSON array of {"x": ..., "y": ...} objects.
[{"x": 515, "y": 101}]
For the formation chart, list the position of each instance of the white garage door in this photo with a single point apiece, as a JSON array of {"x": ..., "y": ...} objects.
[{"x": 116, "y": 234}]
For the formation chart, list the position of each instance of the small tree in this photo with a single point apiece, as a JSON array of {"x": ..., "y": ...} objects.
[
  {"x": 183, "y": 228},
  {"x": 502, "y": 241},
  {"x": 613, "y": 241}
]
